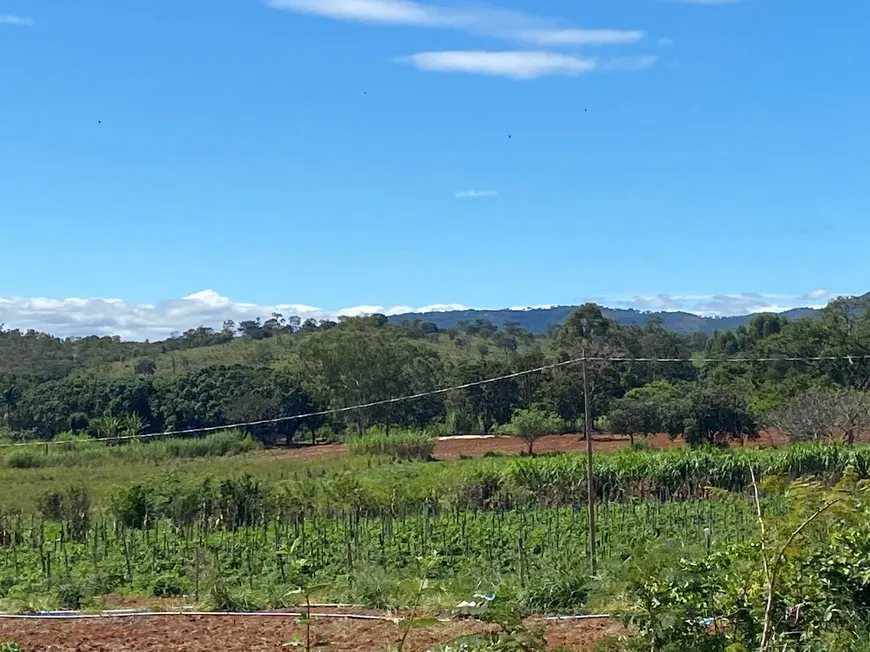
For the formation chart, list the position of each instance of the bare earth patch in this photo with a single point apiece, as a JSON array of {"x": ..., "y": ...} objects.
[
  {"x": 454, "y": 448},
  {"x": 253, "y": 634}
]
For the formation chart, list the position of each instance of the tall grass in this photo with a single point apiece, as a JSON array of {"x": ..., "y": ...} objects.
[
  {"x": 399, "y": 445},
  {"x": 94, "y": 453},
  {"x": 675, "y": 473}
]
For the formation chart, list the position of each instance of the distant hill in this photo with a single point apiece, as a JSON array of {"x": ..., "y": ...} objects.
[{"x": 539, "y": 319}]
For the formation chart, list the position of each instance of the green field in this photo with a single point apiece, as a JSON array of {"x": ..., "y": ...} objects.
[{"x": 153, "y": 524}]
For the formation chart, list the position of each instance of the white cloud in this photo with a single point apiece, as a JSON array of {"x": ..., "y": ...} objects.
[
  {"x": 515, "y": 65},
  {"x": 474, "y": 18},
  {"x": 665, "y": 42},
  {"x": 396, "y": 12},
  {"x": 20, "y": 21},
  {"x": 817, "y": 293},
  {"x": 542, "y": 306},
  {"x": 475, "y": 194},
  {"x": 138, "y": 321},
  {"x": 630, "y": 64},
  {"x": 654, "y": 303},
  {"x": 721, "y": 305},
  {"x": 575, "y": 36}
]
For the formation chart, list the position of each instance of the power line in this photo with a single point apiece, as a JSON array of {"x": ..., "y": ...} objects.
[{"x": 444, "y": 390}]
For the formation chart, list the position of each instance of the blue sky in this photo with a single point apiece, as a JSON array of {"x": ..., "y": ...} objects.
[{"x": 342, "y": 153}]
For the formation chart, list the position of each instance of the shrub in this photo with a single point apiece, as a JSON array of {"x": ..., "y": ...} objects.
[
  {"x": 243, "y": 501},
  {"x": 167, "y": 586},
  {"x": 134, "y": 507},
  {"x": 219, "y": 444},
  {"x": 70, "y": 595},
  {"x": 26, "y": 458},
  {"x": 400, "y": 445},
  {"x": 557, "y": 592}
]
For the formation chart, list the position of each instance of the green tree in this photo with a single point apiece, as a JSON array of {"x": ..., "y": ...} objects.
[
  {"x": 10, "y": 400},
  {"x": 586, "y": 333},
  {"x": 365, "y": 360},
  {"x": 633, "y": 416},
  {"x": 532, "y": 424},
  {"x": 490, "y": 403},
  {"x": 715, "y": 415}
]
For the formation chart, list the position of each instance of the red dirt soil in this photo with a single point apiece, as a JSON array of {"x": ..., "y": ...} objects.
[
  {"x": 454, "y": 448},
  {"x": 252, "y": 634}
]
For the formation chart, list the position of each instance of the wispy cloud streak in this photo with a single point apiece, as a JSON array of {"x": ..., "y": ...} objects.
[
  {"x": 477, "y": 19},
  {"x": 18, "y": 21}
]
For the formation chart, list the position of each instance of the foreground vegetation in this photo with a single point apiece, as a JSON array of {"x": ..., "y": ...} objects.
[{"x": 513, "y": 527}]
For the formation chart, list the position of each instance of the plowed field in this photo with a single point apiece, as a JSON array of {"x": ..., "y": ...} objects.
[{"x": 256, "y": 634}]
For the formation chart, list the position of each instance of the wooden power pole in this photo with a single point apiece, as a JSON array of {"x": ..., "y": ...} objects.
[{"x": 590, "y": 478}]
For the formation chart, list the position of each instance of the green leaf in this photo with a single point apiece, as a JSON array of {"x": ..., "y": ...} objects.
[{"x": 422, "y": 623}]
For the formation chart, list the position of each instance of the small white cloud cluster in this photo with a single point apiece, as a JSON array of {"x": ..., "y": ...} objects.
[
  {"x": 18, "y": 21},
  {"x": 487, "y": 22},
  {"x": 139, "y": 321},
  {"x": 475, "y": 194},
  {"x": 720, "y": 305}
]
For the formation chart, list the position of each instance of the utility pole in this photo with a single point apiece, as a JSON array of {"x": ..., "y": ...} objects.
[{"x": 590, "y": 479}]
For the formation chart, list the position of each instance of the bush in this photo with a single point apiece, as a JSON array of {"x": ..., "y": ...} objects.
[
  {"x": 400, "y": 445},
  {"x": 243, "y": 501},
  {"x": 134, "y": 507},
  {"x": 559, "y": 592},
  {"x": 72, "y": 507},
  {"x": 219, "y": 444},
  {"x": 26, "y": 458},
  {"x": 81, "y": 450},
  {"x": 70, "y": 596},
  {"x": 167, "y": 586}
]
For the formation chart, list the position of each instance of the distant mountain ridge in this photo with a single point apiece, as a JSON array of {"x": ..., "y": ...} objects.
[{"x": 538, "y": 320}]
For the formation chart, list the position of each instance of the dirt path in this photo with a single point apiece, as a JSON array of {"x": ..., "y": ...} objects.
[{"x": 249, "y": 634}]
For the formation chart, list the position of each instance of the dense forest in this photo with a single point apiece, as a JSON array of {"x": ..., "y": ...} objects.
[{"x": 264, "y": 369}]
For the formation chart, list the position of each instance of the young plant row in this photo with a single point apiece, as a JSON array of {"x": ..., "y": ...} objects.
[{"x": 224, "y": 550}]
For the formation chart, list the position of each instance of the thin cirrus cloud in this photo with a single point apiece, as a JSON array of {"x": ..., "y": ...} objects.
[
  {"x": 629, "y": 64},
  {"x": 475, "y": 19},
  {"x": 515, "y": 65},
  {"x": 18, "y": 21},
  {"x": 475, "y": 194}
]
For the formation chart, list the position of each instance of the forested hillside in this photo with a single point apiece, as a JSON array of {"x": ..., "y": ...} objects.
[
  {"x": 539, "y": 320},
  {"x": 262, "y": 370}
]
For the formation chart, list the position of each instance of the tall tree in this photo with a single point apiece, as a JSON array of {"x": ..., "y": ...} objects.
[{"x": 715, "y": 416}]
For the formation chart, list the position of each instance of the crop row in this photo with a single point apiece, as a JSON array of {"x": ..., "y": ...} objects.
[{"x": 353, "y": 553}]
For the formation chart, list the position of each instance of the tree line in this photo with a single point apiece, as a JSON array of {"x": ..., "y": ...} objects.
[{"x": 51, "y": 386}]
